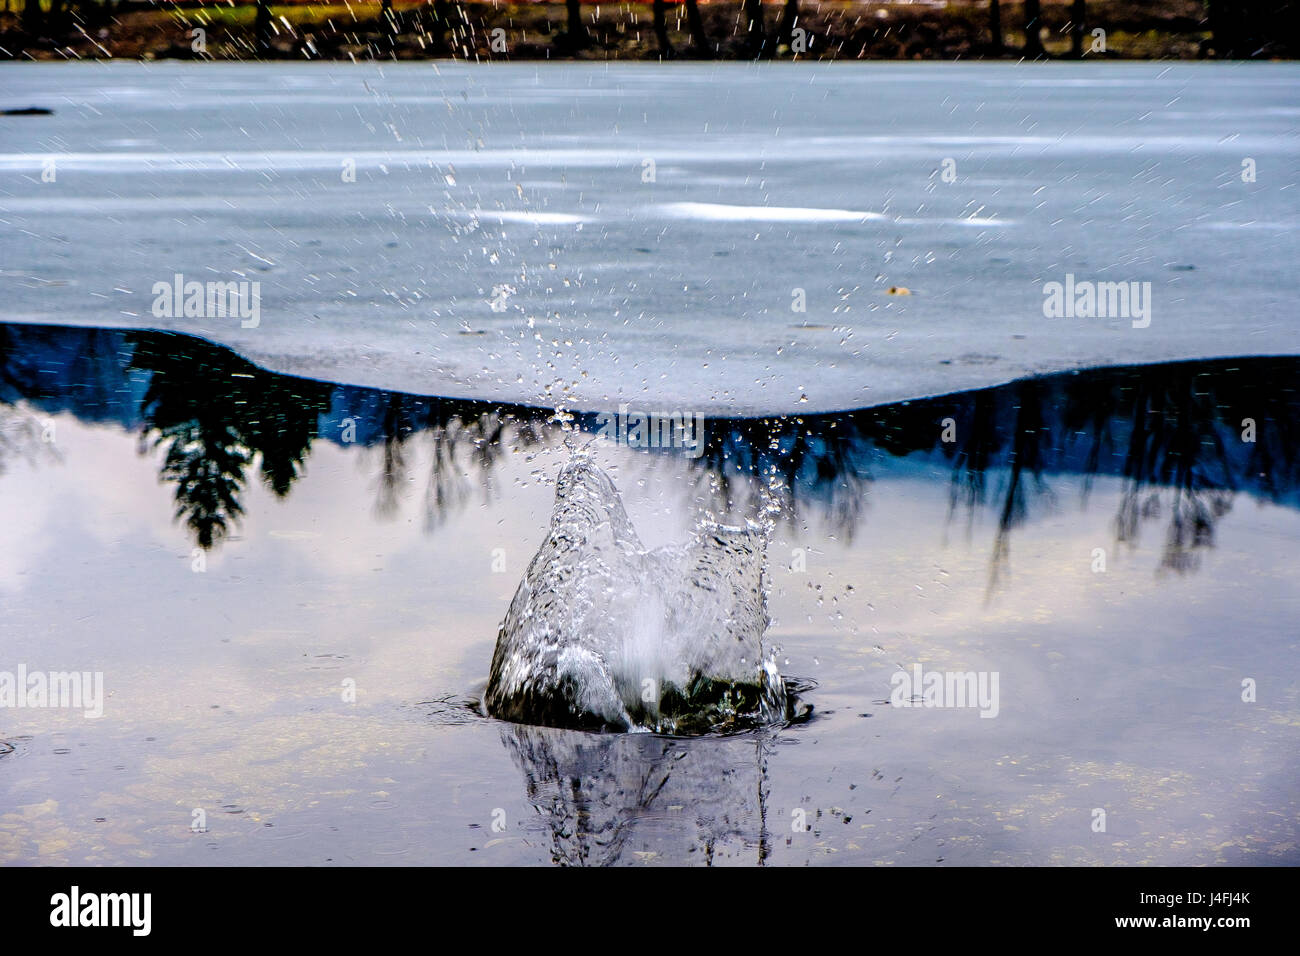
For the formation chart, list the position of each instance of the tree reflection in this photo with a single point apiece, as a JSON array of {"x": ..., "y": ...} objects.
[
  {"x": 465, "y": 442},
  {"x": 1175, "y": 435},
  {"x": 215, "y": 414},
  {"x": 1175, "y": 444}
]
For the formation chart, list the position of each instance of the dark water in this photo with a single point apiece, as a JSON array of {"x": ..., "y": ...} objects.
[{"x": 292, "y": 589}]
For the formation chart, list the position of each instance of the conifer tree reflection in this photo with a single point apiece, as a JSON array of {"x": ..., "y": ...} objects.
[{"x": 215, "y": 414}]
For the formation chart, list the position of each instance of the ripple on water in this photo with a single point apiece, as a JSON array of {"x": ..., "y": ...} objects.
[{"x": 269, "y": 831}]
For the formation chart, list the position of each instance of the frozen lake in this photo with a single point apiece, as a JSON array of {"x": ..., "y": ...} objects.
[
  {"x": 584, "y": 235},
  {"x": 290, "y": 625},
  {"x": 287, "y": 554}
]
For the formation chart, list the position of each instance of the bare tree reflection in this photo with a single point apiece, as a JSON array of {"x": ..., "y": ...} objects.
[
  {"x": 821, "y": 466},
  {"x": 1024, "y": 475},
  {"x": 24, "y": 435},
  {"x": 1175, "y": 449},
  {"x": 395, "y": 427},
  {"x": 466, "y": 442},
  {"x": 974, "y": 456}
]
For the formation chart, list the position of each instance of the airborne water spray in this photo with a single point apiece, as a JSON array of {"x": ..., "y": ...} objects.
[{"x": 603, "y": 634}]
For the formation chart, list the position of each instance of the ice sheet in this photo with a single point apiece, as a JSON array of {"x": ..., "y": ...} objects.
[{"x": 585, "y": 235}]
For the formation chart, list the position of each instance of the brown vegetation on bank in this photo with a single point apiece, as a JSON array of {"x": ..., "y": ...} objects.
[{"x": 690, "y": 29}]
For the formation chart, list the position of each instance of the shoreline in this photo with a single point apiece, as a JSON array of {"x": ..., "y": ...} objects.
[
  {"x": 707, "y": 411},
  {"x": 706, "y": 31}
]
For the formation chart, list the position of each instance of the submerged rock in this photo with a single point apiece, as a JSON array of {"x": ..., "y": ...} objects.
[{"x": 606, "y": 635}]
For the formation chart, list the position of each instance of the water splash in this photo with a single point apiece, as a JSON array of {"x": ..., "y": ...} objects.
[
  {"x": 607, "y": 799},
  {"x": 606, "y": 635}
]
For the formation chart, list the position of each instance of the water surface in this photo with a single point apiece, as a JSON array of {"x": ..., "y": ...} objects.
[{"x": 200, "y": 530}]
